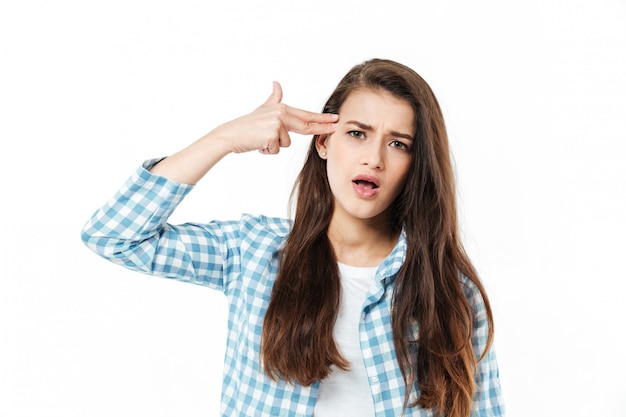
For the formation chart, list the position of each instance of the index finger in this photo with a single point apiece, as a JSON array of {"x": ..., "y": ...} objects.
[
  {"x": 305, "y": 127},
  {"x": 310, "y": 123},
  {"x": 312, "y": 117}
]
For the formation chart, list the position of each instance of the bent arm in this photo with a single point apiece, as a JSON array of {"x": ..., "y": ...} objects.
[{"x": 132, "y": 229}]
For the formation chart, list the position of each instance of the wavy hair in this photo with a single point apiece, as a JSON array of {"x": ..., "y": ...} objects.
[{"x": 439, "y": 362}]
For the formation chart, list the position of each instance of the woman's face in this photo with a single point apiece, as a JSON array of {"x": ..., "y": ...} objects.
[{"x": 369, "y": 155}]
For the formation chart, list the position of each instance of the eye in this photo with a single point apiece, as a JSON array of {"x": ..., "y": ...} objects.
[
  {"x": 399, "y": 145},
  {"x": 357, "y": 134}
]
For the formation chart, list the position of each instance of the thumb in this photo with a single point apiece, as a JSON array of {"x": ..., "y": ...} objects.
[{"x": 277, "y": 94}]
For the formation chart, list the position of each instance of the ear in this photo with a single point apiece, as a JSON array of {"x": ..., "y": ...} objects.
[{"x": 320, "y": 145}]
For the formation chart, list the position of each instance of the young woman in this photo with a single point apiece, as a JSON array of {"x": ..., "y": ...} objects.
[{"x": 366, "y": 303}]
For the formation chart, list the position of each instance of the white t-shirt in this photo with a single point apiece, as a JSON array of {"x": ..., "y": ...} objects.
[{"x": 345, "y": 394}]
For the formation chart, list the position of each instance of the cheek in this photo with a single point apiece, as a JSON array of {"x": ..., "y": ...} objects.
[{"x": 401, "y": 175}]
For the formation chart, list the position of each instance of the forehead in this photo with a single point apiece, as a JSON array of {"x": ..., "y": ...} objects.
[{"x": 378, "y": 108}]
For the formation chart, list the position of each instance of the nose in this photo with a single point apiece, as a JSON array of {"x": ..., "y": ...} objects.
[{"x": 372, "y": 155}]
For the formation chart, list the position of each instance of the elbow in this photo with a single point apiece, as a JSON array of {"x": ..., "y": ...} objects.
[
  {"x": 134, "y": 255},
  {"x": 106, "y": 246},
  {"x": 96, "y": 242}
]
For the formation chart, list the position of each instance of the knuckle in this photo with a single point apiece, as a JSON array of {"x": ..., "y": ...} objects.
[
  {"x": 275, "y": 124},
  {"x": 280, "y": 111}
]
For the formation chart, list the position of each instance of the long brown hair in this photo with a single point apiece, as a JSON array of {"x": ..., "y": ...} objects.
[{"x": 297, "y": 339}]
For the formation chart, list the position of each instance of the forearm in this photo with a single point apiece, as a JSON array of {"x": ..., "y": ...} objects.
[{"x": 189, "y": 165}]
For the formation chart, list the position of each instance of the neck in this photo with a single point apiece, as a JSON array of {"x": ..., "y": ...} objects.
[{"x": 361, "y": 243}]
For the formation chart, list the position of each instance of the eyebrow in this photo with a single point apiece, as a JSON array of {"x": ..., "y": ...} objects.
[{"x": 367, "y": 127}]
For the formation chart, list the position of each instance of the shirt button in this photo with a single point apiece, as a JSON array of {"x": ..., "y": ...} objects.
[{"x": 374, "y": 379}]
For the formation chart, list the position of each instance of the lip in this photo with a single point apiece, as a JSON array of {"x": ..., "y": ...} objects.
[{"x": 365, "y": 192}]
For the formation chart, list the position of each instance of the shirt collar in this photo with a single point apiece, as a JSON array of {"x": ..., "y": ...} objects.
[{"x": 390, "y": 266}]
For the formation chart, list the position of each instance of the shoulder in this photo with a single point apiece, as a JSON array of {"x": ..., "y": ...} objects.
[
  {"x": 259, "y": 228},
  {"x": 275, "y": 225},
  {"x": 249, "y": 230}
]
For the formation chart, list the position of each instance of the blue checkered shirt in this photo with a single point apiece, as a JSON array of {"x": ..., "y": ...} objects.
[{"x": 240, "y": 259}]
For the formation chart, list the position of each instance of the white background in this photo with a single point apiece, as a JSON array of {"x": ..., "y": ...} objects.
[{"x": 534, "y": 95}]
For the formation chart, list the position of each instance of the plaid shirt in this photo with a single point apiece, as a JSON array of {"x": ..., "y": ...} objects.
[{"x": 240, "y": 259}]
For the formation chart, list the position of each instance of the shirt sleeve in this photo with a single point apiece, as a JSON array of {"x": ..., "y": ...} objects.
[
  {"x": 131, "y": 230},
  {"x": 488, "y": 401}
]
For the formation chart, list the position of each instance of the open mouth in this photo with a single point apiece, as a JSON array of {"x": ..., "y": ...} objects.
[{"x": 369, "y": 185}]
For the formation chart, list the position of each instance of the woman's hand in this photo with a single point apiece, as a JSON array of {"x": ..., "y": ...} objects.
[{"x": 267, "y": 128}]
